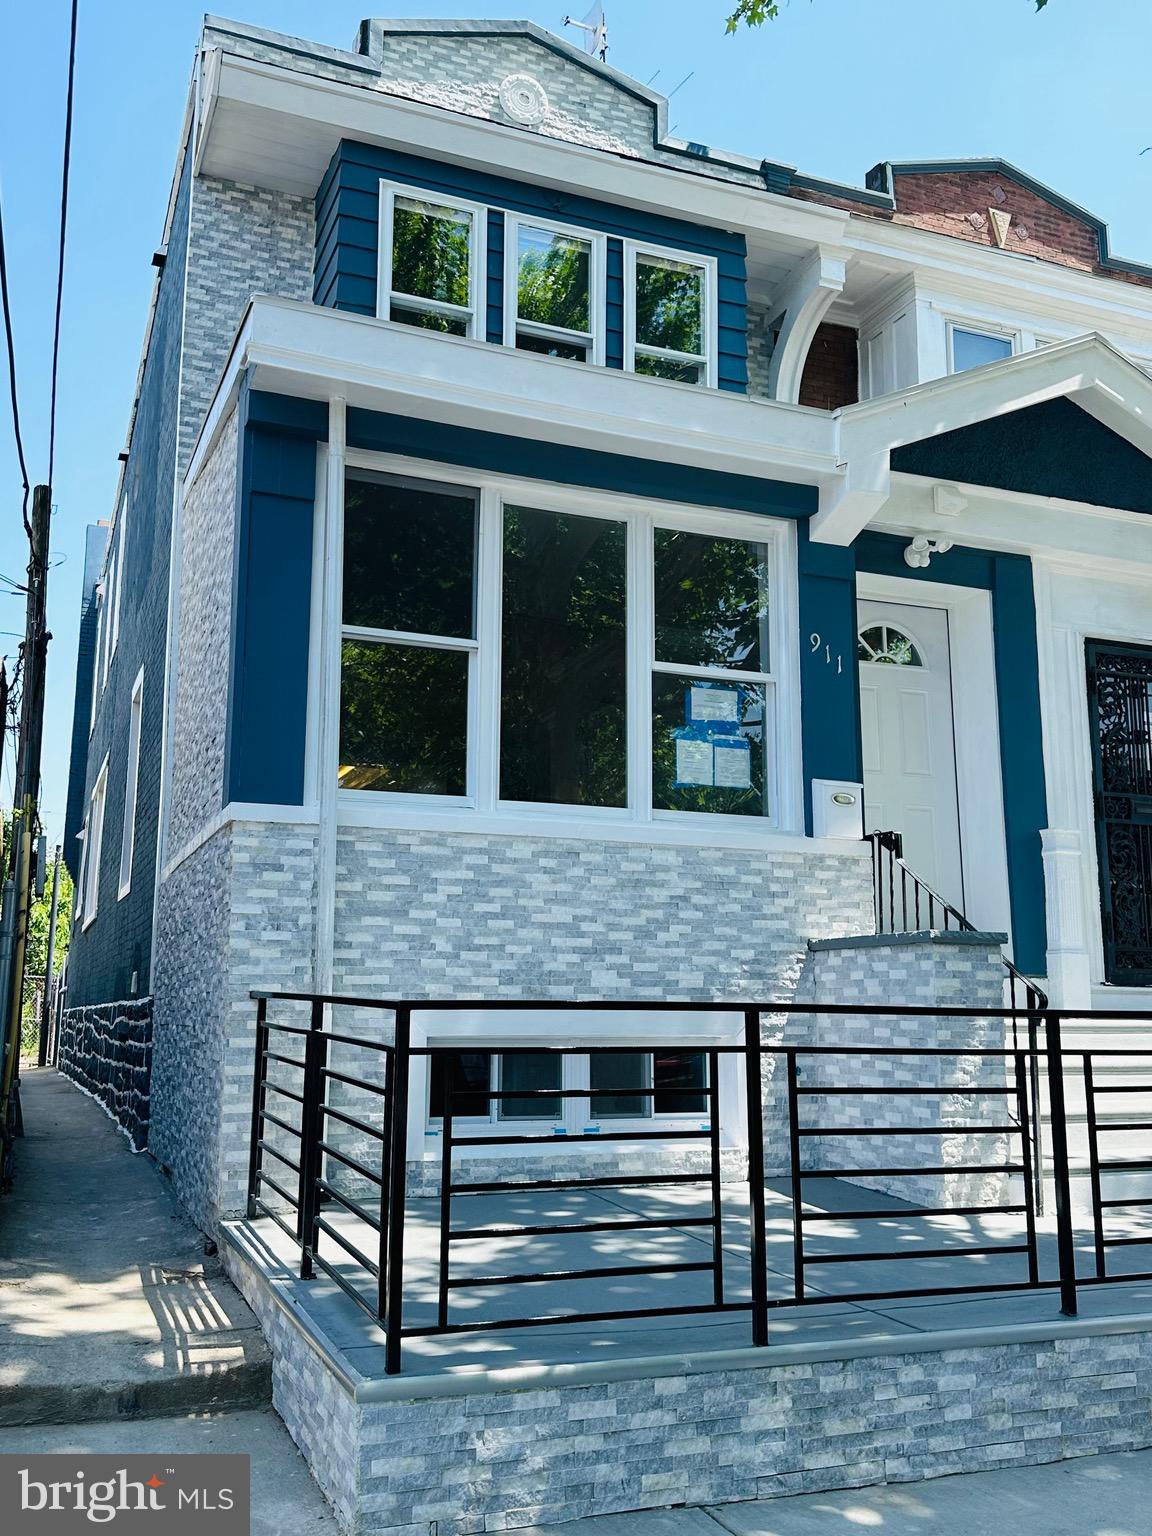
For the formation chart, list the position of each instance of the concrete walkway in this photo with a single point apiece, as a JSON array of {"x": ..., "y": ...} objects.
[
  {"x": 285, "y": 1500},
  {"x": 1093, "y": 1496},
  {"x": 108, "y": 1305}
]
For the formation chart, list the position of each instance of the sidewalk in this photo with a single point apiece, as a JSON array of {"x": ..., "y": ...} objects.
[{"x": 108, "y": 1306}]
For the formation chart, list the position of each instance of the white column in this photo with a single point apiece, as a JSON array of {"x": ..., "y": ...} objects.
[
  {"x": 1065, "y": 877},
  {"x": 328, "y": 732}
]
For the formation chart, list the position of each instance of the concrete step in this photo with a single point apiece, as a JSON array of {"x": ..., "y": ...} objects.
[{"x": 109, "y": 1306}]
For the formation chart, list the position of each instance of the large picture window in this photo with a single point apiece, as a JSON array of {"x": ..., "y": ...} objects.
[
  {"x": 553, "y": 291},
  {"x": 670, "y": 316},
  {"x": 430, "y": 260},
  {"x": 520, "y": 650}
]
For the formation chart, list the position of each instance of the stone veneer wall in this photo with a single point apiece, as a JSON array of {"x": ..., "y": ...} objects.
[
  {"x": 945, "y": 970},
  {"x": 235, "y": 914},
  {"x": 497, "y": 1458},
  {"x": 107, "y": 1049},
  {"x": 441, "y": 915}
]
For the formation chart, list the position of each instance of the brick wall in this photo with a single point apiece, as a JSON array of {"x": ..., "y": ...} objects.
[{"x": 832, "y": 369}]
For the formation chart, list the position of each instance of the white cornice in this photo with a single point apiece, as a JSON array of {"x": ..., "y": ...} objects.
[{"x": 311, "y": 352}]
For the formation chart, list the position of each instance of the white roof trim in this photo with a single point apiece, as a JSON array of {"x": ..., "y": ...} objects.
[{"x": 1088, "y": 370}]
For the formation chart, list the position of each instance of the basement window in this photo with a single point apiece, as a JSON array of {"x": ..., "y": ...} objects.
[
  {"x": 430, "y": 261},
  {"x": 627, "y": 1085},
  {"x": 554, "y": 287}
]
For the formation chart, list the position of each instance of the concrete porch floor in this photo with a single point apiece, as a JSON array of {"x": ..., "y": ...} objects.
[{"x": 833, "y": 1320}]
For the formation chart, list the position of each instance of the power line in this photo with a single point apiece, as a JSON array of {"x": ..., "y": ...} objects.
[
  {"x": 12, "y": 374},
  {"x": 63, "y": 238}
]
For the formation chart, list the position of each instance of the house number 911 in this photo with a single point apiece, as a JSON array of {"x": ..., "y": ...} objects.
[{"x": 816, "y": 642}]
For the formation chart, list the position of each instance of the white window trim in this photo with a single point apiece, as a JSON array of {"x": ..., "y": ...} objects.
[
  {"x": 97, "y": 653},
  {"x": 595, "y": 339},
  {"x": 482, "y": 800},
  {"x": 94, "y": 844},
  {"x": 477, "y": 260},
  {"x": 496, "y": 1031},
  {"x": 82, "y": 876},
  {"x": 710, "y": 320},
  {"x": 980, "y": 328},
  {"x": 118, "y": 578},
  {"x": 131, "y": 786}
]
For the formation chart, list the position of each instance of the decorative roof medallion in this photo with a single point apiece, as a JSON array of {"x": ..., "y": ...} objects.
[{"x": 524, "y": 100}]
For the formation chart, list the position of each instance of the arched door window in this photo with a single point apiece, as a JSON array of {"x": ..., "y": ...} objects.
[{"x": 886, "y": 645}]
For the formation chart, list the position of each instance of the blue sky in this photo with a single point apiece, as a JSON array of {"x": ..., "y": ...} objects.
[{"x": 832, "y": 86}]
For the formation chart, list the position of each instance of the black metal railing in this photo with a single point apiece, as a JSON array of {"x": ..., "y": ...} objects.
[
  {"x": 905, "y": 903},
  {"x": 298, "y": 1126}
]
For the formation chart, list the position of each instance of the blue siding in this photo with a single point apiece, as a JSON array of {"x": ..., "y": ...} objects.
[
  {"x": 104, "y": 958},
  {"x": 494, "y": 277},
  {"x": 829, "y": 693},
  {"x": 1009, "y": 580},
  {"x": 347, "y": 240},
  {"x": 614, "y": 330},
  {"x": 268, "y": 699}
]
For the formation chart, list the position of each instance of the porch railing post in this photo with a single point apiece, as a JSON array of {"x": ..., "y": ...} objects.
[
  {"x": 259, "y": 1081},
  {"x": 311, "y": 1134},
  {"x": 758, "y": 1254},
  {"x": 397, "y": 1182},
  {"x": 1065, "y": 1238}
]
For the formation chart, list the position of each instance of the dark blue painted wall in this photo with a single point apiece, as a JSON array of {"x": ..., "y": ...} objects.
[
  {"x": 347, "y": 241},
  {"x": 1009, "y": 580},
  {"x": 1051, "y": 449},
  {"x": 104, "y": 957},
  {"x": 829, "y": 695},
  {"x": 268, "y": 699}
]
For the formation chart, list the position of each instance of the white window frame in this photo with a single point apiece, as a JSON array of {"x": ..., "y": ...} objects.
[
  {"x": 82, "y": 875},
  {"x": 94, "y": 844},
  {"x": 641, "y": 517},
  {"x": 710, "y": 321},
  {"x": 386, "y": 295},
  {"x": 497, "y": 1031},
  {"x": 118, "y": 577},
  {"x": 594, "y": 341},
  {"x": 97, "y": 653},
  {"x": 980, "y": 328},
  {"x": 131, "y": 786}
]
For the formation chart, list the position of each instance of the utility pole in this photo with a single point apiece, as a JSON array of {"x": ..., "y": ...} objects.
[
  {"x": 49, "y": 971},
  {"x": 17, "y": 895}
]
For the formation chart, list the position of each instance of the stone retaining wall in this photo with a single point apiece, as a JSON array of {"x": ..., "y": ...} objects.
[{"x": 106, "y": 1049}]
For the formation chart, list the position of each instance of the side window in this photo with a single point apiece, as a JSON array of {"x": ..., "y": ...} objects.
[
  {"x": 430, "y": 261},
  {"x": 671, "y": 310},
  {"x": 93, "y": 845},
  {"x": 554, "y": 291},
  {"x": 131, "y": 784},
  {"x": 972, "y": 349}
]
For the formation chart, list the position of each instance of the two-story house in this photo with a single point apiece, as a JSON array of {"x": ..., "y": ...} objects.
[{"x": 545, "y": 546}]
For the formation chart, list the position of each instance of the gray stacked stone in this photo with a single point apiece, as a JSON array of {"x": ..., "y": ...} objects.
[
  {"x": 492, "y": 1458},
  {"x": 106, "y": 1049}
]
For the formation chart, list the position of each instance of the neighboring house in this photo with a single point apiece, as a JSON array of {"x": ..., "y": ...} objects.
[{"x": 545, "y": 546}]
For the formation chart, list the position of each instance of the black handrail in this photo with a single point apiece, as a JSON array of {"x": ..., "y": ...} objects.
[{"x": 378, "y": 1219}]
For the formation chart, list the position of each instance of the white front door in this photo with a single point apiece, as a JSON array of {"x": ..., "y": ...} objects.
[{"x": 908, "y": 738}]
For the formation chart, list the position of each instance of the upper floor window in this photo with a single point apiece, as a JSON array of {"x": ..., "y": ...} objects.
[
  {"x": 972, "y": 349},
  {"x": 670, "y": 311},
  {"x": 510, "y": 648},
  {"x": 430, "y": 261},
  {"x": 554, "y": 290}
]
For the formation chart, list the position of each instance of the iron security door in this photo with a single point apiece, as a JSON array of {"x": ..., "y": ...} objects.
[{"x": 1120, "y": 713}]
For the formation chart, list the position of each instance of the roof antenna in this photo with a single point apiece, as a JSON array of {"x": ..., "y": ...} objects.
[{"x": 595, "y": 29}]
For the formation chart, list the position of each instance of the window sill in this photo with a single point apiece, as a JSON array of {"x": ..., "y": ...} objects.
[{"x": 360, "y": 809}]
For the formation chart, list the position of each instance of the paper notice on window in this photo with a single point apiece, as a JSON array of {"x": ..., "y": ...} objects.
[
  {"x": 715, "y": 704},
  {"x": 693, "y": 762},
  {"x": 733, "y": 765}
]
